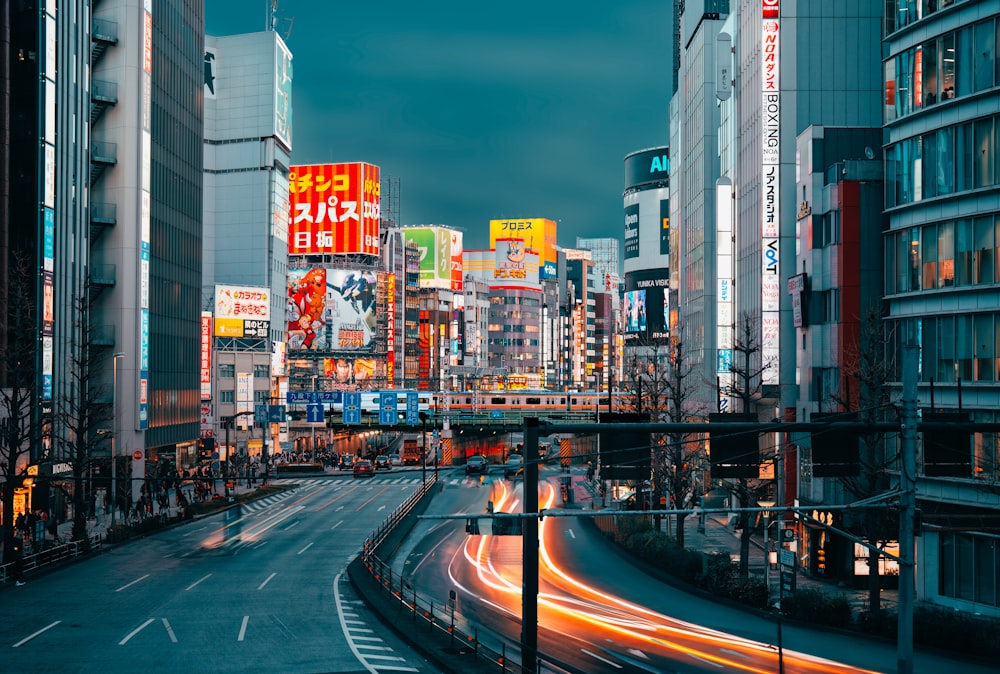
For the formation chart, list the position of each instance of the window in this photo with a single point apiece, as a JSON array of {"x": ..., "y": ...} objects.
[
  {"x": 984, "y": 344},
  {"x": 985, "y": 151},
  {"x": 227, "y": 396},
  {"x": 985, "y": 54},
  {"x": 227, "y": 370},
  {"x": 946, "y": 254},
  {"x": 964, "y": 347},
  {"x": 983, "y": 247},
  {"x": 261, "y": 371},
  {"x": 948, "y": 66},
  {"x": 945, "y": 161},
  {"x": 929, "y": 256},
  {"x": 963, "y": 252}
]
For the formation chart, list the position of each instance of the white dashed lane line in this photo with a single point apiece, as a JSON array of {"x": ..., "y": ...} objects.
[{"x": 370, "y": 650}]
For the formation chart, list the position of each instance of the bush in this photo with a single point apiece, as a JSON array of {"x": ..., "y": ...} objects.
[
  {"x": 817, "y": 607},
  {"x": 956, "y": 631}
]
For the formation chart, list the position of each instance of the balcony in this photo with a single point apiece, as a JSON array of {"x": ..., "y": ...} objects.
[
  {"x": 102, "y": 96},
  {"x": 102, "y": 217},
  {"x": 102, "y": 276},
  {"x": 102, "y": 156},
  {"x": 103, "y": 34}
]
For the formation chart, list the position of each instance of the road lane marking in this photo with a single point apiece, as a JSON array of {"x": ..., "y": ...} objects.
[
  {"x": 717, "y": 664},
  {"x": 602, "y": 659},
  {"x": 267, "y": 580},
  {"x": 291, "y": 525},
  {"x": 337, "y": 525},
  {"x": 132, "y": 583},
  {"x": 304, "y": 549},
  {"x": 243, "y": 628},
  {"x": 136, "y": 631},
  {"x": 195, "y": 583},
  {"x": 170, "y": 631},
  {"x": 32, "y": 636},
  {"x": 569, "y": 532}
]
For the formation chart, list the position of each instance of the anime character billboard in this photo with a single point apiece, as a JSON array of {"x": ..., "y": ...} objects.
[{"x": 330, "y": 309}]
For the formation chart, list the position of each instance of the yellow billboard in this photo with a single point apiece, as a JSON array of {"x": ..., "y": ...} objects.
[{"x": 539, "y": 235}]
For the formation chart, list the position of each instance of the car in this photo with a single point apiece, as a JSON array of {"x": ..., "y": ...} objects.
[
  {"x": 364, "y": 468},
  {"x": 476, "y": 464},
  {"x": 395, "y": 460},
  {"x": 513, "y": 467},
  {"x": 382, "y": 462},
  {"x": 346, "y": 461}
]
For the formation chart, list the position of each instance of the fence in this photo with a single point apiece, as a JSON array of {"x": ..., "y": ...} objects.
[{"x": 51, "y": 555}]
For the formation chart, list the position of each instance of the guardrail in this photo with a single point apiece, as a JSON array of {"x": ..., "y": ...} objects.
[
  {"x": 51, "y": 555},
  {"x": 438, "y": 618}
]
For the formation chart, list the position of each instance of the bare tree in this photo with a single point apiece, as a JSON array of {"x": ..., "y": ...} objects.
[
  {"x": 747, "y": 386},
  {"x": 19, "y": 425},
  {"x": 868, "y": 362},
  {"x": 85, "y": 415},
  {"x": 661, "y": 383}
]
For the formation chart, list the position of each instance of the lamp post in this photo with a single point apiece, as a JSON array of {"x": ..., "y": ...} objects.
[
  {"x": 114, "y": 434},
  {"x": 423, "y": 443},
  {"x": 312, "y": 447}
]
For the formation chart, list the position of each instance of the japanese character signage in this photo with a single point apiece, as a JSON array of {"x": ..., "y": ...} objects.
[
  {"x": 334, "y": 209},
  {"x": 440, "y": 255},
  {"x": 514, "y": 263},
  {"x": 539, "y": 235},
  {"x": 242, "y": 311}
]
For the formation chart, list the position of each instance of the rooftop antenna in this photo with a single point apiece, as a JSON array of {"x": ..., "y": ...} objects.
[{"x": 272, "y": 15}]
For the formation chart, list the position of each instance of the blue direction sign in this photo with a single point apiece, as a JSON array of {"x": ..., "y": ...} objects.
[
  {"x": 276, "y": 414},
  {"x": 260, "y": 414},
  {"x": 324, "y": 397},
  {"x": 314, "y": 413},
  {"x": 387, "y": 409},
  {"x": 412, "y": 408},
  {"x": 352, "y": 408}
]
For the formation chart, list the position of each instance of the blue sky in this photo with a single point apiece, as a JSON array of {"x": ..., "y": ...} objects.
[{"x": 481, "y": 110}]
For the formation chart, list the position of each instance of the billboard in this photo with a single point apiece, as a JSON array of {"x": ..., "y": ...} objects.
[
  {"x": 647, "y": 169},
  {"x": 631, "y": 231},
  {"x": 206, "y": 355},
  {"x": 242, "y": 311},
  {"x": 440, "y": 255},
  {"x": 539, "y": 235},
  {"x": 349, "y": 373},
  {"x": 514, "y": 263},
  {"x": 647, "y": 305},
  {"x": 335, "y": 209},
  {"x": 331, "y": 309}
]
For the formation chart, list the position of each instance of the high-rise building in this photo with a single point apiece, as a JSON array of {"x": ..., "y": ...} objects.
[
  {"x": 247, "y": 147},
  {"x": 942, "y": 265}
]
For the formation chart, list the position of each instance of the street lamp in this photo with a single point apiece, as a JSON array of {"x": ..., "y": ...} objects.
[
  {"x": 423, "y": 442},
  {"x": 114, "y": 433}
]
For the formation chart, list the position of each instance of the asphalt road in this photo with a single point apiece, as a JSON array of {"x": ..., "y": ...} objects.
[
  {"x": 258, "y": 588},
  {"x": 600, "y": 613}
]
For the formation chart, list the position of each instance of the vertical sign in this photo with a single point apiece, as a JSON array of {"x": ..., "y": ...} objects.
[
  {"x": 390, "y": 333},
  {"x": 387, "y": 408},
  {"x": 412, "y": 408},
  {"x": 145, "y": 114},
  {"x": 206, "y": 355},
  {"x": 631, "y": 231},
  {"x": 770, "y": 194},
  {"x": 244, "y": 397}
]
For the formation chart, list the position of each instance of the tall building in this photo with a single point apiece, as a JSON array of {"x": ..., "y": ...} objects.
[
  {"x": 942, "y": 265},
  {"x": 247, "y": 147}
]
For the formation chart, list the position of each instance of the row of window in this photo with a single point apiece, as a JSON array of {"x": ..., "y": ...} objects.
[
  {"x": 952, "y": 159},
  {"x": 949, "y": 66},
  {"x": 962, "y": 252},
  {"x": 969, "y": 567},
  {"x": 952, "y": 347},
  {"x": 228, "y": 370},
  {"x": 901, "y": 13}
]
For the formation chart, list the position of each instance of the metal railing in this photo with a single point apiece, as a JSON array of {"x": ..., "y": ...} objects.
[
  {"x": 51, "y": 555},
  {"x": 436, "y": 618}
]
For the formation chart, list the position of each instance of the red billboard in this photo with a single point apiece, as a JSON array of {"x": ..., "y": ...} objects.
[{"x": 334, "y": 209}]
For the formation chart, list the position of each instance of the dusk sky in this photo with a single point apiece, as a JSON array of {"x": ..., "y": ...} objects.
[{"x": 481, "y": 110}]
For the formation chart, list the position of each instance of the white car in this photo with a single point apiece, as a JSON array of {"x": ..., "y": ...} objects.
[
  {"x": 513, "y": 467},
  {"x": 395, "y": 460}
]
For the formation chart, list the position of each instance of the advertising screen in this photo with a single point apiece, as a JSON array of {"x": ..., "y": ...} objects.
[
  {"x": 349, "y": 373},
  {"x": 330, "y": 309},
  {"x": 514, "y": 263},
  {"x": 647, "y": 306},
  {"x": 335, "y": 209}
]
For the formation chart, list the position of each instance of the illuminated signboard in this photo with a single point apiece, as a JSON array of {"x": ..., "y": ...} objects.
[
  {"x": 390, "y": 337},
  {"x": 440, "y": 251},
  {"x": 770, "y": 193},
  {"x": 331, "y": 309},
  {"x": 335, "y": 209},
  {"x": 647, "y": 306},
  {"x": 242, "y": 311},
  {"x": 539, "y": 235},
  {"x": 206, "y": 355}
]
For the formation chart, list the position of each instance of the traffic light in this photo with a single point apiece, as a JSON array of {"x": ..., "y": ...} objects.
[
  {"x": 472, "y": 526},
  {"x": 947, "y": 452},
  {"x": 835, "y": 451},
  {"x": 734, "y": 454},
  {"x": 506, "y": 525}
]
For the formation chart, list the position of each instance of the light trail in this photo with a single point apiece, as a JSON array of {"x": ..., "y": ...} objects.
[{"x": 573, "y": 607}]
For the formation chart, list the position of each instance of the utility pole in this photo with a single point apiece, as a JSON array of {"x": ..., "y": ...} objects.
[
  {"x": 907, "y": 510},
  {"x": 529, "y": 550}
]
